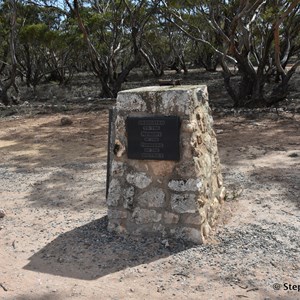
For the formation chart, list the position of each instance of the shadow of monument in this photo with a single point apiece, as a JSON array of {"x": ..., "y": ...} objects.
[{"x": 90, "y": 252}]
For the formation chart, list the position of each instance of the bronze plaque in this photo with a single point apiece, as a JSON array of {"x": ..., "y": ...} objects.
[{"x": 155, "y": 137}]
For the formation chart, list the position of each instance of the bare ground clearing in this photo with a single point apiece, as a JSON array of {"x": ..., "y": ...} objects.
[{"x": 54, "y": 244}]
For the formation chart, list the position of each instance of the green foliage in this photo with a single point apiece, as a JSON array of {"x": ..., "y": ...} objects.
[
  {"x": 33, "y": 33},
  {"x": 49, "y": 38}
]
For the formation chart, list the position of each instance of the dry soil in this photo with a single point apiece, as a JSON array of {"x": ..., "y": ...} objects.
[{"x": 53, "y": 238}]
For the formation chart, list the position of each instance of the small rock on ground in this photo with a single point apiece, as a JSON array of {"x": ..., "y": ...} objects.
[
  {"x": 2, "y": 213},
  {"x": 65, "y": 121}
]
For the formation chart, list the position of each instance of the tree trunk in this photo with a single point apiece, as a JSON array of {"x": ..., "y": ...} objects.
[
  {"x": 249, "y": 91},
  {"x": 13, "y": 69},
  {"x": 155, "y": 67},
  {"x": 280, "y": 91},
  {"x": 3, "y": 94},
  {"x": 107, "y": 91},
  {"x": 209, "y": 61},
  {"x": 229, "y": 88},
  {"x": 183, "y": 64}
]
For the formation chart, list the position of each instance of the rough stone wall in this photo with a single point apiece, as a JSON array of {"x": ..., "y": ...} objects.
[{"x": 170, "y": 198}]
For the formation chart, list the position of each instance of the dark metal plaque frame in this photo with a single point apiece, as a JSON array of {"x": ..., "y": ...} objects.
[
  {"x": 110, "y": 145},
  {"x": 153, "y": 137}
]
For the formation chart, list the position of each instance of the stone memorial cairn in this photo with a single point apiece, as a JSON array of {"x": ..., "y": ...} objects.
[{"x": 172, "y": 198}]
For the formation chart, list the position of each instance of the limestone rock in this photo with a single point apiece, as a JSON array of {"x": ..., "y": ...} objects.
[
  {"x": 191, "y": 185},
  {"x": 175, "y": 101},
  {"x": 112, "y": 226},
  {"x": 185, "y": 203},
  {"x": 117, "y": 168},
  {"x": 189, "y": 126},
  {"x": 170, "y": 218},
  {"x": 119, "y": 148},
  {"x": 66, "y": 121},
  {"x": 131, "y": 102},
  {"x": 116, "y": 214},
  {"x": 205, "y": 229},
  {"x": 189, "y": 234},
  {"x": 120, "y": 125},
  {"x": 140, "y": 180},
  {"x": 144, "y": 216},
  {"x": 193, "y": 219},
  {"x": 2, "y": 213},
  {"x": 157, "y": 227},
  {"x": 222, "y": 194},
  {"x": 114, "y": 193},
  {"x": 155, "y": 197},
  {"x": 128, "y": 197}
]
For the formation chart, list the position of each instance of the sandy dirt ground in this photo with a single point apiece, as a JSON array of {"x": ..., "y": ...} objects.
[{"x": 53, "y": 239}]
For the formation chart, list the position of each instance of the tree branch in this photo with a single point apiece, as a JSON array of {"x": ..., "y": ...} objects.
[{"x": 276, "y": 26}]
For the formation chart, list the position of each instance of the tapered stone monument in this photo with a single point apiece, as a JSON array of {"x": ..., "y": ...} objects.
[{"x": 164, "y": 176}]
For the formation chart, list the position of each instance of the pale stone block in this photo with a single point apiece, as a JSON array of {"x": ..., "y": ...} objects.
[
  {"x": 2, "y": 213},
  {"x": 119, "y": 148},
  {"x": 159, "y": 228},
  {"x": 116, "y": 227},
  {"x": 222, "y": 194},
  {"x": 114, "y": 193},
  {"x": 202, "y": 95},
  {"x": 193, "y": 219},
  {"x": 117, "y": 168},
  {"x": 130, "y": 101},
  {"x": 116, "y": 214},
  {"x": 128, "y": 197},
  {"x": 144, "y": 216},
  {"x": 184, "y": 203},
  {"x": 205, "y": 229},
  {"x": 155, "y": 197},
  {"x": 188, "y": 126},
  {"x": 220, "y": 180},
  {"x": 194, "y": 235},
  {"x": 140, "y": 180},
  {"x": 176, "y": 102},
  {"x": 191, "y": 185},
  {"x": 111, "y": 226},
  {"x": 120, "y": 125},
  {"x": 189, "y": 234},
  {"x": 207, "y": 141},
  {"x": 170, "y": 218}
]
